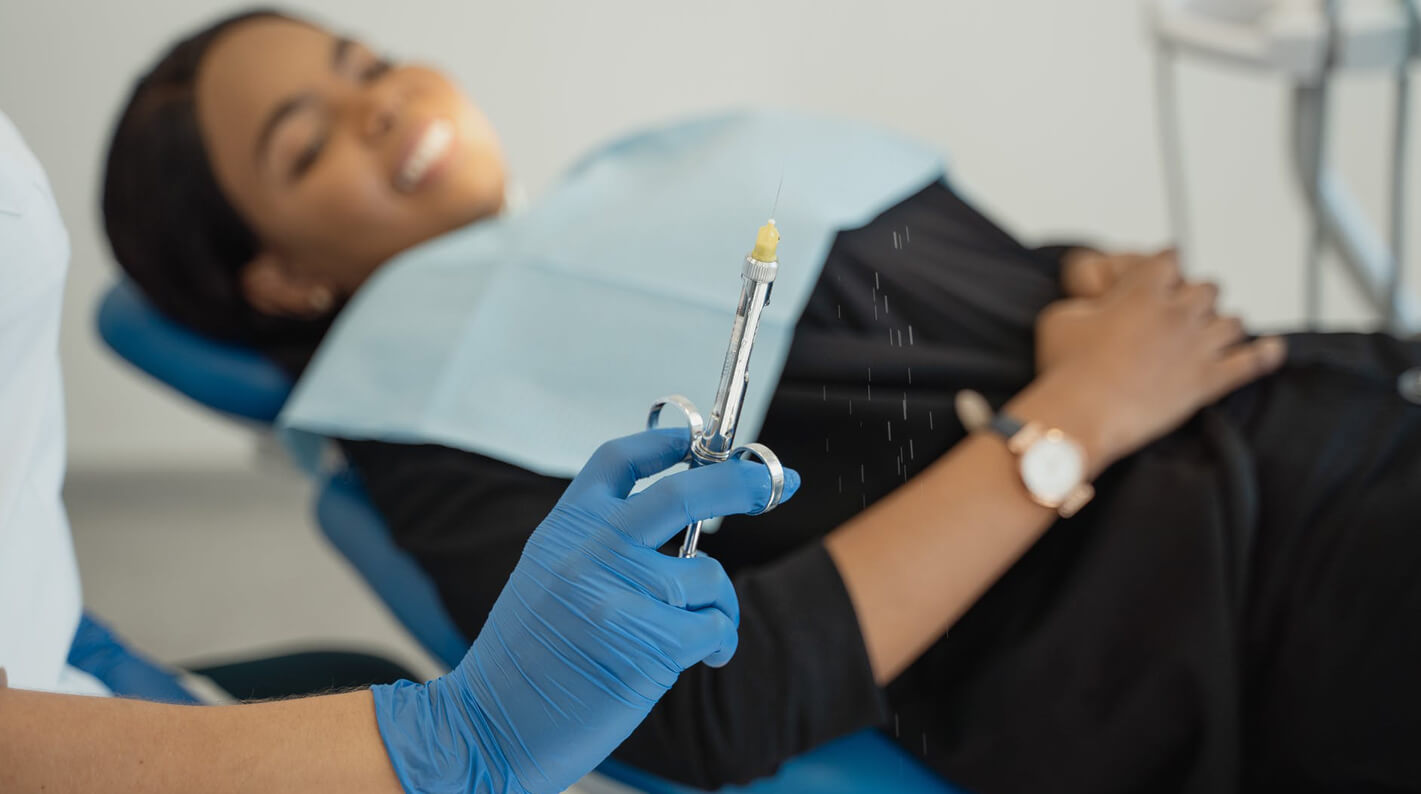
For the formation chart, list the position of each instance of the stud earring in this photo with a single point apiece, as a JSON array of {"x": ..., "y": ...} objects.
[{"x": 321, "y": 300}]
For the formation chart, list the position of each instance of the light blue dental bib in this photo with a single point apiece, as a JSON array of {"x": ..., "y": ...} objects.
[{"x": 534, "y": 338}]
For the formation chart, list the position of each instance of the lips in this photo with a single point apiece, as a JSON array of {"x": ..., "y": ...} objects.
[{"x": 427, "y": 150}]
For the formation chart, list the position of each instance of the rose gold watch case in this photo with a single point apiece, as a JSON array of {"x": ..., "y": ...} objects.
[{"x": 1072, "y": 502}]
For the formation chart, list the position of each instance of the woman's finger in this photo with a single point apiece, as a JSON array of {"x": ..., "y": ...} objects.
[
  {"x": 1244, "y": 364},
  {"x": 1223, "y": 333},
  {"x": 1158, "y": 274},
  {"x": 1088, "y": 274},
  {"x": 1199, "y": 299}
]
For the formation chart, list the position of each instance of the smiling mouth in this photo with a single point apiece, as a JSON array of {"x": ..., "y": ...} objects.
[{"x": 431, "y": 147}]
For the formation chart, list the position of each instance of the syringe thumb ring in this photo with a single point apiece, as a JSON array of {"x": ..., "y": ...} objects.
[
  {"x": 777, "y": 491},
  {"x": 759, "y": 451},
  {"x": 692, "y": 415},
  {"x": 776, "y": 470},
  {"x": 688, "y": 411}
]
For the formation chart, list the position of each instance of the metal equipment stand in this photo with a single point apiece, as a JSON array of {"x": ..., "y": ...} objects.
[{"x": 1376, "y": 265}]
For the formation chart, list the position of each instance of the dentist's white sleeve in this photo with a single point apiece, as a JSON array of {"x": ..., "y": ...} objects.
[{"x": 39, "y": 581}]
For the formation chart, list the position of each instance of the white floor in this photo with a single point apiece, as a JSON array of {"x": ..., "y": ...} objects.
[{"x": 205, "y": 565}]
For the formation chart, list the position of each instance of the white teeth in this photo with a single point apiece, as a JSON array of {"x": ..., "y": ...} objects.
[{"x": 426, "y": 152}]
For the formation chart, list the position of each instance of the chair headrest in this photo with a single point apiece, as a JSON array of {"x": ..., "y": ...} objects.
[{"x": 227, "y": 378}]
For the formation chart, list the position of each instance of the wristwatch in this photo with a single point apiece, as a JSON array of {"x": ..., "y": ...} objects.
[{"x": 1052, "y": 465}]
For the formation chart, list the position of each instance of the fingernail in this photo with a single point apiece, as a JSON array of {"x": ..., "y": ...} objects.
[{"x": 1274, "y": 350}]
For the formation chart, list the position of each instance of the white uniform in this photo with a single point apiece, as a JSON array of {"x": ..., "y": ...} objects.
[{"x": 39, "y": 581}]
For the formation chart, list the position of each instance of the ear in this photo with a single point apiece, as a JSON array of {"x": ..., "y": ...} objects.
[{"x": 271, "y": 287}]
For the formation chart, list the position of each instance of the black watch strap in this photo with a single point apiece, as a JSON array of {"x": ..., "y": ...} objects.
[
  {"x": 976, "y": 413},
  {"x": 1006, "y": 424}
]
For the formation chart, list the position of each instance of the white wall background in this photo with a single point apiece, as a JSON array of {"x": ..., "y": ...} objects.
[{"x": 1045, "y": 107}]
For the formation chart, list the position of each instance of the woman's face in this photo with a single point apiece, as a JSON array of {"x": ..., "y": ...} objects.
[{"x": 338, "y": 159}]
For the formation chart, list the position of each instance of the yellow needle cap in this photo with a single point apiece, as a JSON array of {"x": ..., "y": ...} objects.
[{"x": 767, "y": 243}]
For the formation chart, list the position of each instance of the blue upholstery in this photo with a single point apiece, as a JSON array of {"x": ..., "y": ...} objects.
[
  {"x": 866, "y": 762},
  {"x": 101, "y": 654},
  {"x": 241, "y": 383},
  {"x": 354, "y": 527},
  {"x": 227, "y": 378}
]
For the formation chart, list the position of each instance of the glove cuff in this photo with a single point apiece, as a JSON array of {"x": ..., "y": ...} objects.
[{"x": 435, "y": 744}]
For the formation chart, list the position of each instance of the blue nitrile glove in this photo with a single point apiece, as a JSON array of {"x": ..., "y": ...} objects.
[{"x": 592, "y": 628}]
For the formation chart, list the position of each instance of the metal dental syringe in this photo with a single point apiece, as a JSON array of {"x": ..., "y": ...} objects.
[{"x": 716, "y": 443}]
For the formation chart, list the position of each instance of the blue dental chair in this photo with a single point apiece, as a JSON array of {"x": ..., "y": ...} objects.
[{"x": 242, "y": 384}]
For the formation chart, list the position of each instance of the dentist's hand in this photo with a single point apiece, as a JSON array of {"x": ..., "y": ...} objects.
[{"x": 592, "y": 628}]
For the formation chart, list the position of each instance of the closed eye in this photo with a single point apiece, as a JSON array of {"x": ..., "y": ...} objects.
[
  {"x": 309, "y": 155},
  {"x": 375, "y": 70},
  {"x": 345, "y": 50}
]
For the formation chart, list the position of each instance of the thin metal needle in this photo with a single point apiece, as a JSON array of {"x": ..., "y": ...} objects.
[{"x": 781, "y": 185}]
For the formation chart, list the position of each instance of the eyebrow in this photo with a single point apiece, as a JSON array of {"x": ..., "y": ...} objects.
[
  {"x": 295, "y": 104},
  {"x": 338, "y": 52}
]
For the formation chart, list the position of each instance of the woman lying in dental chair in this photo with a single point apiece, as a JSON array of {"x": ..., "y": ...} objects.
[{"x": 1235, "y": 609}]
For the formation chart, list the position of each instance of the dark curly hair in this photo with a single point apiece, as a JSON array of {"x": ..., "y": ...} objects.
[{"x": 171, "y": 228}]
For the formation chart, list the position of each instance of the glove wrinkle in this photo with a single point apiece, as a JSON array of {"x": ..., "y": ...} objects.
[{"x": 590, "y": 630}]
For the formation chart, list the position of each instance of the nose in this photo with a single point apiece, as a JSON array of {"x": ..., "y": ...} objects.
[{"x": 378, "y": 109}]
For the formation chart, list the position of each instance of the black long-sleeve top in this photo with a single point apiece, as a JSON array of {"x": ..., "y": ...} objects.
[
  {"x": 905, "y": 310},
  {"x": 1235, "y": 611}
]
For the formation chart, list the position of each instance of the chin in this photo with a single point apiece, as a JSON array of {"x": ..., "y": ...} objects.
[
  {"x": 481, "y": 200},
  {"x": 457, "y": 215}
]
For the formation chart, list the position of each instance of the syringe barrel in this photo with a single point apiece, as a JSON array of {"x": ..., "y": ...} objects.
[{"x": 718, "y": 439}]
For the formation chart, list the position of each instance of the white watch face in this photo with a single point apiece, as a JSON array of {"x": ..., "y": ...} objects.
[{"x": 1052, "y": 468}]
